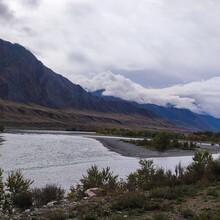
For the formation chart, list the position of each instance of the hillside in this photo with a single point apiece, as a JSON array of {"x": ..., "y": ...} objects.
[
  {"x": 27, "y": 87},
  {"x": 17, "y": 115},
  {"x": 25, "y": 81},
  {"x": 186, "y": 118}
]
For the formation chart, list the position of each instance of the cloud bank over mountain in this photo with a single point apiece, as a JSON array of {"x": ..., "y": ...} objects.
[{"x": 201, "y": 97}]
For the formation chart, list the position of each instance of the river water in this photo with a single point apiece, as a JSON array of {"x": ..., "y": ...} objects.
[{"x": 63, "y": 157}]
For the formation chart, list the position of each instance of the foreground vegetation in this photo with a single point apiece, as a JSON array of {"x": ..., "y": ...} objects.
[{"x": 148, "y": 193}]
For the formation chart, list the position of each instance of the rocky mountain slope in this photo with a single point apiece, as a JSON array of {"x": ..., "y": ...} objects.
[{"x": 26, "y": 81}]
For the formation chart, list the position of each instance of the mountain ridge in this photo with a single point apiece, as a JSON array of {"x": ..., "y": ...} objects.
[
  {"x": 181, "y": 117},
  {"x": 25, "y": 79}
]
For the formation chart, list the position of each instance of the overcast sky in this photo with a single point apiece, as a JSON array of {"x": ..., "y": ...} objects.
[{"x": 168, "y": 50}]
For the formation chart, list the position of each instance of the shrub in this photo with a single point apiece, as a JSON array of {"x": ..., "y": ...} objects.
[
  {"x": 51, "y": 192},
  {"x": 166, "y": 193},
  {"x": 161, "y": 141},
  {"x": 57, "y": 215},
  {"x": 141, "y": 179},
  {"x": 213, "y": 170},
  {"x": 1, "y": 188},
  {"x": 16, "y": 183},
  {"x": 175, "y": 144},
  {"x": 213, "y": 193},
  {"x": 130, "y": 201},
  {"x": 103, "y": 179},
  {"x": 198, "y": 169},
  {"x": 22, "y": 200},
  {"x": 16, "y": 189},
  {"x": 188, "y": 214},
  {"x": 209, "y": 214},
  {"x": 91, "y": 211},
  {"x": 160, "y": 216}
]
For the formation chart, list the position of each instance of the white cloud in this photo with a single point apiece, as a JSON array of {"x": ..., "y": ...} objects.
[
  {"x": 168, "y": 42},
  {"x": 176, "y": 39},
  {"x": 200, "y": 97}
]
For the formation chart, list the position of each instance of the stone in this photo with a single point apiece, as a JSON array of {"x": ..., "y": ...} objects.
[
  {"x": 51, "y": 204},
  {"x": 91, "y": 192}
]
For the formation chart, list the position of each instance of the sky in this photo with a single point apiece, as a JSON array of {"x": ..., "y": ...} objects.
[{"x": 149, "y": 51}]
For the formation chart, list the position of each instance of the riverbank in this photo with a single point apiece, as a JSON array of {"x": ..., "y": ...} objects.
[{"x": 131, "y": 150}]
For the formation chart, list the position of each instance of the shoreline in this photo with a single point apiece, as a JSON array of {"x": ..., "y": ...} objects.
[{"x": 131, "y": 150}]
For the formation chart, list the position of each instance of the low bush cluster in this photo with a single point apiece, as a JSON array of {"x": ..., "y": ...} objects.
[
  {"x": 104, "y": 179},
  {"x": 51, "y": 192},
  {"x": 203, "y": 169},
  {"x": 15, "y": 193},
  {"x": 163, "y": 141}
]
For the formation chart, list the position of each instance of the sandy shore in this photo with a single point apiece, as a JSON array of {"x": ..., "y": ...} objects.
[{"x": 131, "y": 150}]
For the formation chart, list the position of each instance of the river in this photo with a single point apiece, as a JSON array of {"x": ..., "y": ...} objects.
[{"x": 63, "y": 157}]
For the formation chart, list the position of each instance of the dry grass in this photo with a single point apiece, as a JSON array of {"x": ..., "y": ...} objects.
[{"x": 18, "y": 115}]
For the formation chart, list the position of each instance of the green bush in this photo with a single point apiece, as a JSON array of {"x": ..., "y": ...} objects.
[
  {"x": 1, "y": 188},
  {"x": 213, "y": 170},
  {"x": 209, "y": 214},
  {"x": 213, "y": 193},
  {"x": 198, "y": 170},
  {"x": 130, "y": 201},
  {"x": 189, "y": 214},
  {"x": 141, "y": 179},
  {"x": 103, "y": 179},
  {"x": 160, "y": 216},
  {"x": 22, "y": 200},
  {"x": 16, "y": 192},
  {"x": 166, "y": 193},
  {"x": 16, "y": 183},
  {"x": 51, "y": 192},
  {"x": 161, "y": 141},
  {"x": 91, "y": 211}
]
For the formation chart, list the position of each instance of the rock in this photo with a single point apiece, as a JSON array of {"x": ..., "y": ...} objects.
[
  {"x": 51, "y": 204},
  {"x": 27, "y": 210},
  {"x": 92, "y": 192}
]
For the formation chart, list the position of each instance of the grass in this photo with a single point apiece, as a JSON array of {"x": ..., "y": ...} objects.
[{"x": 18, "y": 115}]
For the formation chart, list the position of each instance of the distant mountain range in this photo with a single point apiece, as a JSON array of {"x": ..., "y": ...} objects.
[
  {"x": 24, "y": 79},
  {"x": 181, "y": 117}
]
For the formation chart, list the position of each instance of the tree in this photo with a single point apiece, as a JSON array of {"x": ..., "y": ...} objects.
[{"x": 161, "y": 141}]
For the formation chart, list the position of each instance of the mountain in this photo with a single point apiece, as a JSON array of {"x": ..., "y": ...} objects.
[
  {"x": 181, "y": 117},
  {"x": 26, "y": 81},
  {"x": 185, "y": 118}
]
